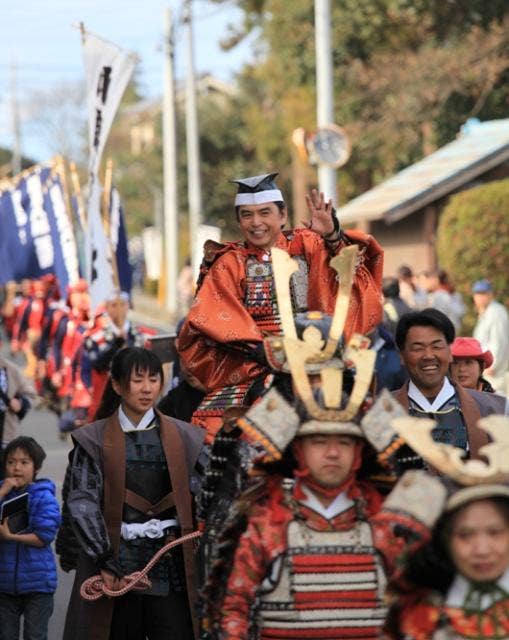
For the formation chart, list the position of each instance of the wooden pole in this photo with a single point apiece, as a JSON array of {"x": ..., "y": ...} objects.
[
  {"x": 170, "y": 175},
  {"x": 299, "y": 189},
  {"x": 75, "y": 181}
]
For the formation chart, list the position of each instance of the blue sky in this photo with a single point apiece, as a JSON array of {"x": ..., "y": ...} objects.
[{"x": 39, "y": 38}]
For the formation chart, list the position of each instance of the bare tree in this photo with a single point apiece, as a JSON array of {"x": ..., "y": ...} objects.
[{"x": 58, "y": 115}]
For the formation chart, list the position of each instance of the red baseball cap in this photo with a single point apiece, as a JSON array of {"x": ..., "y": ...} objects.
[{"x": 471, "y": 348}]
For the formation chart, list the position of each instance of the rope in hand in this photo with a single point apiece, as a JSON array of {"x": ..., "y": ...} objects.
[{"x": 94, "y": 588}]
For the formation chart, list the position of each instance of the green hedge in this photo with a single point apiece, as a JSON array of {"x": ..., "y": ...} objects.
[{"x": 473, "y": 240}]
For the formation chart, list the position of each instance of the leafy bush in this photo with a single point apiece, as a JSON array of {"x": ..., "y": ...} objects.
[{"x": 473, "y": 239}]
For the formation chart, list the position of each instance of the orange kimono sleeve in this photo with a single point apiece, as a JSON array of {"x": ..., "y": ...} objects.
[
  {"x": 216, "y": 325},
  {"x": 365, "y": 310}
]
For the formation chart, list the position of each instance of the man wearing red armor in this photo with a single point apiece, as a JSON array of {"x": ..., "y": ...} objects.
[
  {"x": 221, "y": 341},
  {"x": 72, "y": 336},
  {"x": 28, "y": 322},
  {"x": 307, "y": 552},
  {"x": 315, "y": 553},
  {"x": 61, "y": 339}
]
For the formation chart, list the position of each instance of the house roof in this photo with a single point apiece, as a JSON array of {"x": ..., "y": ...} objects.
[
  {"x": 480, "y": 146},
  {"x": 206, "y": 83}
]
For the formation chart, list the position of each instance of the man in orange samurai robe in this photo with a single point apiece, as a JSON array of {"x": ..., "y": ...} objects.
[{"x": 221, "y": 341}]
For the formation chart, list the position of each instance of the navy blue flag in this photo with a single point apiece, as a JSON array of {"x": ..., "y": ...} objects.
[
  {"x": 118, "y": 239},
  {"x": 65, "y": 254},
  {"x": 7, "y": 224},
  {"x": 37, "y": 237},
  {"x": 25, "y": 227}
]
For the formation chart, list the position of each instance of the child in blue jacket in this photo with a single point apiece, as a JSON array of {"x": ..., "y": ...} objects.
[{"x": 28, "y": 574}]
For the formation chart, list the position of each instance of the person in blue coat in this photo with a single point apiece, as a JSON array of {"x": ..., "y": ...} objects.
[{"x": 28, "y": 575}]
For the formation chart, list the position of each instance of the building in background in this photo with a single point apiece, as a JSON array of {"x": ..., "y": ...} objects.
[{"x": 403, "y": 212}]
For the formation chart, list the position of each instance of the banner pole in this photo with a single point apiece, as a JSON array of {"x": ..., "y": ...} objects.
[
  {"x": 106, "y": 215},
  {"x": 75, "y": 181}
]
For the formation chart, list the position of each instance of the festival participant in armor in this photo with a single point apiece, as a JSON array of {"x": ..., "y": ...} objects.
[
  {"x": 48, "y": 350},
  {"x": 313, "y": 555},
  {"x": 220, "y": 343},
  {"x": 128, "y": 490},
  {"x": 28, "y": 323},
  {"x": 307, "y": 557},
  {"x": 424, "y": 339},
  {"x": 112, "y": 330},
  {"x": 279, "y": 558},
  {"x": 14, "y": 299},
  {"x": 72, "y": 336},
  {"x": 457, "y": 585},
  {"x": 61, "y": 340},
  {"x": 8, "y": 308},
  {"x": 233, "y": 451}
]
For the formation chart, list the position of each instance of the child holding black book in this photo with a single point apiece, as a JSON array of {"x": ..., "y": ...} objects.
[{"x": 28, "y": 575}]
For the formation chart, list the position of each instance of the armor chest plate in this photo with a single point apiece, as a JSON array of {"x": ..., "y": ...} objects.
[
  {"x": 146, "y": 469},
  {"x": 260, "y": 296},
  {"x": 327, "y": 580}
]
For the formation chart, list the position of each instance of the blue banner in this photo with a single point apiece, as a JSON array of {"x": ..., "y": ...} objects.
[
  {"x": 37, "y": 237},
  {"x": 7, "y": 235},
  {"x": 118, "y": 238},
  {"x": 65, "y": 255}
]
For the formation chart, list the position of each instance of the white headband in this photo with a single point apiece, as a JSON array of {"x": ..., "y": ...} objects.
[{"x": 261, "y": 197}]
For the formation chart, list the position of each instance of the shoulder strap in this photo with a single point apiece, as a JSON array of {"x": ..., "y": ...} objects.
[
  {"x": 175, "y": 453},
  {"x": 114, "y": 478},
  {"x": 401, "y": 396},
  {"x": 471, "y": 414}
]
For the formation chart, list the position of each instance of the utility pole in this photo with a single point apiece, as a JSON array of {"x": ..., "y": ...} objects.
[
  {"x": 170, "y": 169},
  {"x": 193, "y": 143},
  {"x": 16, "y": 127},
  {"x": 324, "y": 89}
]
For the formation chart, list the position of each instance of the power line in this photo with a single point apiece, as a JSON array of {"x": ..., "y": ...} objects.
[{"x": 39, "y": 67}]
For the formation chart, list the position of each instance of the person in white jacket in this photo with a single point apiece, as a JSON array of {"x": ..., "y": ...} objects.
[{"x": 492, "y": 331}]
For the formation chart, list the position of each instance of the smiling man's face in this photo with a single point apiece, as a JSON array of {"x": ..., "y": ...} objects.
[
  {"x": 261, "y": 224},
  {"x": 427, "y": 356}
]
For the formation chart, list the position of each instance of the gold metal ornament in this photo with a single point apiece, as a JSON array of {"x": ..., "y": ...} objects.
[
  {"x": 449, "y": 461},
  {"x": 311, "y": 350},
  {"x": 344, "y": 265},
  {"x": 284, "y": 266}
]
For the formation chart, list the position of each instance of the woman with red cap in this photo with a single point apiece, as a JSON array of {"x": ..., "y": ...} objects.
[{"x": 469, "y": 362}]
